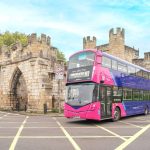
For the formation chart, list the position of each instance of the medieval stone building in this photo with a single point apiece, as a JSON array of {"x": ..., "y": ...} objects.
[
  {"x": 144, "y": 62},
  {"x": 117, "y": 47},
  {"x": 27, "y": 75}
]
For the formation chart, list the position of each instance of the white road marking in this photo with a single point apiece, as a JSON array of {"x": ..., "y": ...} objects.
[
  {"x": 120, "y": 127},
  {"x": 80, "y": 127},
  {"x": 131, "y": 124},
  {"x": 53, "y": 127},
  {"x": 9, "y": 127},
  {"x": 133, "y": 138},
  {"x": 8, "y": 113},
  {"x": 42, "y": 137},
  {"x": 27, "y": 122},
  {"x": 98, "y": 136},
  {"x": 10, "y": 122},
  {"x": 14, "y": 117},
  {"x": 116, "y": 127},
  {"x": 13, "y": 144},
  {"x": 64, "y": 127},
  {"x": 74, "y": 144},
  {"x": 4, "y": 116},
  {"x": 2, "y": 112},
  {"x": 49, "y": 137},
  {"x": 145, "y": 121},
  {"x": 115, "y": 134},
  {"x": 6, "y": 137}
]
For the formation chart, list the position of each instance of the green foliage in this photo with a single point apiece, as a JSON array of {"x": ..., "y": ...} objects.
[
  {"x": 8, "y": 38},
  {"x": 61, "y": 56}
]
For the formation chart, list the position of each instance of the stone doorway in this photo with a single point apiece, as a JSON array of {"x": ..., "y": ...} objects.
[{"x": 18, "y": 92}]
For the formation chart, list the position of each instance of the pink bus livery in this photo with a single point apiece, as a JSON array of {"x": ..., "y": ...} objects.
[{"x": 101, "y": 86}]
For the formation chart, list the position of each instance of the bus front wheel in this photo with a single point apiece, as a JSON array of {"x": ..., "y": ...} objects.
[{"x": 117, "y": 114}]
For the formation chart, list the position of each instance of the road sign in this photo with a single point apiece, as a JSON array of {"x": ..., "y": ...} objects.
[
  {"x": 59, "y": 76},
  {"x": 59, "y": 73}
]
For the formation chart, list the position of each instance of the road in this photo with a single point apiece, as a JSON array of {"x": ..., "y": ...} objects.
[{"x": 43, "y": 132}]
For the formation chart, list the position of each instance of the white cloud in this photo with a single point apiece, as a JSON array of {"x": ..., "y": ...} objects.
[{"x": 85, "y": 18}]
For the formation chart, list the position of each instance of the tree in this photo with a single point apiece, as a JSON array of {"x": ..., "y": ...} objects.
[
  {"x": 61, "y": 56},
  {"x": 8, "y": 38}
]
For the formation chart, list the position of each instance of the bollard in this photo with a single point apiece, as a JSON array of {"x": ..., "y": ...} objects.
[{"x": 45, "y": 108}]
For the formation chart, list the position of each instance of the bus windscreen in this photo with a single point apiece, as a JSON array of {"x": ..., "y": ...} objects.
[
  {"x": 76, "y": 94},
  {"x": 82, "y": 59}
]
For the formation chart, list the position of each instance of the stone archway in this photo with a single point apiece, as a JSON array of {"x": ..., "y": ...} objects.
[{"x": 18, "y": 91}]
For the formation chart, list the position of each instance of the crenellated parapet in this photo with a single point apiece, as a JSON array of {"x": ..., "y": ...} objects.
[
  {"x": 138, "y": 61},
  {"x": 43, "y": 39},
  {"x": 89, "y": 43},
  {"x": 36, "y": 47},
  {"x": 120, "y": 32},
  {"x": 147, "y": 56},
  {"x": 144, "y": 62}
]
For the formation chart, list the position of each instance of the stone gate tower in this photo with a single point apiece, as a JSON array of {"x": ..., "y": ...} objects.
[
  {"x": 27, "y": 74},
  {"x": 89, "y": 43},
  {"x": 116, "y": 45},
  {"x": 116, "y": 42},
  {"x": 147, "y": 60}
]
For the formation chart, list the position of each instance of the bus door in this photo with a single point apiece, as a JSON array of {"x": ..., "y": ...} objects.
[{"x": 106, "y": 101}]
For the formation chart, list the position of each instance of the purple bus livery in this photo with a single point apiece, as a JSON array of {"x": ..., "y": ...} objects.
[{"x": 100, "y": 86}]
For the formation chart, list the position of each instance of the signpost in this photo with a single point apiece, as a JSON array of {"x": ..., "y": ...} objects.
[{"x": 59, "y": 75}]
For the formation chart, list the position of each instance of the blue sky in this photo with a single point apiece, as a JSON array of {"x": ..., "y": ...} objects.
[{"x": 68, "y": 21}]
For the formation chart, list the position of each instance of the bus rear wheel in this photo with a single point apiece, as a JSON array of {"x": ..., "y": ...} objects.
[{"x": 117, "y": 114}]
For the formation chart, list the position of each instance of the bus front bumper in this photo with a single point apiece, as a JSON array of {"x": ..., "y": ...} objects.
[{"x": 90, "y": 111}]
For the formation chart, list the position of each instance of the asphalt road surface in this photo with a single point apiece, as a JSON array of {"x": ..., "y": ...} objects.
[{"x": 43, "y": 132}]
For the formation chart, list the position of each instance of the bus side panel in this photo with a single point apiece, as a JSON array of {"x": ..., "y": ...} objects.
[{"x": 136, "y": 107}]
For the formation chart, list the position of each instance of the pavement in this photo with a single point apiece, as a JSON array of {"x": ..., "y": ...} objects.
[{"x": 54, "y": 132}]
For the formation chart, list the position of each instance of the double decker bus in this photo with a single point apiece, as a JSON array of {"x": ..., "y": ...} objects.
[{"x": 100, "y": 86}]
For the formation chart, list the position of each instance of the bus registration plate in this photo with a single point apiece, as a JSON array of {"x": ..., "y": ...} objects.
[{"x": 77, "y": 116}]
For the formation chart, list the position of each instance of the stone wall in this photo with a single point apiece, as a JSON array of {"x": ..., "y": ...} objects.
[
  {"x": 131, "y": 53},
  {"x": 117, "y": 47},
  {"x": 89, "y": 43},
  {"x": 139, "y": 62},
  {"x": 143, "y": 62},
  {"x": 116, "y": 43},
  {"x": 35, "y": 64}
]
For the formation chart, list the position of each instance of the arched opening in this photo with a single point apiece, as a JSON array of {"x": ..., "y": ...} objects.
[{"x": 18, "y": 92}]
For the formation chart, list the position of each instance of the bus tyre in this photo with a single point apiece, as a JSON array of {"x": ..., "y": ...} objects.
[
  {"x": 116, "y": 114},
  {"x": 146, "y": 111}
]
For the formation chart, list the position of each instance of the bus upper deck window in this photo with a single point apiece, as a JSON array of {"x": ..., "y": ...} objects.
[
  {"x": 114, "y": 64},
  {"x": 106, "y": 62}
]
